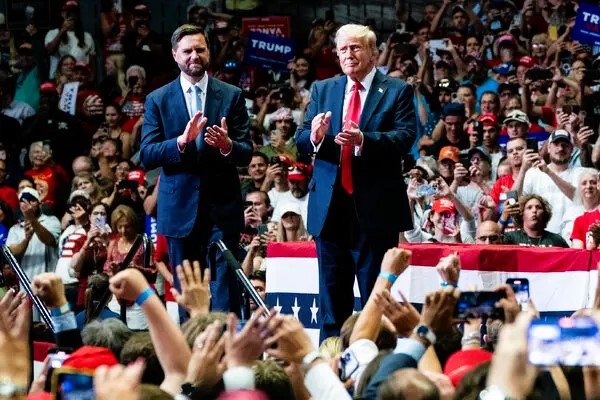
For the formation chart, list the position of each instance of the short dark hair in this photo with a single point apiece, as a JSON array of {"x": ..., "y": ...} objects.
[
  {"x": 261, "y": 155},
  {"x": 185, "y": 30},
  {"x": 258, "y": 275},
  {"x": 140, "y": 345},
  {"x": 264, "y": 194}
]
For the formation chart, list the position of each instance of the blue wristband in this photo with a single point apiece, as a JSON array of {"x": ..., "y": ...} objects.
[
  {"x": 502, "y": 222},
  {"x": 390, "y": 277},
  {"x": 446, "y": 284},
  {"x": 144, "y": 296}
]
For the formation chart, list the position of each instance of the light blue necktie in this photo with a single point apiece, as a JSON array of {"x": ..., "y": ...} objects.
[{"x": 196, "y": 100}]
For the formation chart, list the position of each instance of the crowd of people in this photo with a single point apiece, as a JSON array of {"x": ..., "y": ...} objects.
[{"x": 504, "y": 149}]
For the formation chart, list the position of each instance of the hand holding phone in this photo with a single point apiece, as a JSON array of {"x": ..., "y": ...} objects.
[{"x": 479, "y": 305}]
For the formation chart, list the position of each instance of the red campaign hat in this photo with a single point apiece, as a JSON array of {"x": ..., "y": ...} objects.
[
  {"x": 443, "y": 205},
  {"x": 91, "y": 357},
  {"x": 463, "y": 361},
  {"x": 488, "y": 120},
  {"x": 138, "y": 176},
  {"x": 48, "y": 87},
  {"x": 299, "y": 172},
  {"x": 527, "y": 61},
  {"x": 70, "y": 5},
  {"x": 82, "y": 65}
]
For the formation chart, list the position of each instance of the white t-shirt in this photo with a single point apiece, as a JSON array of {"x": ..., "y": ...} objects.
[
  {"x": 71, "y": 47},
  {"x": 537, "y": 182},
  {"x": 38, "y": 257},
  {"x": 568, "y": 220},
  {"x": 275, "y": 197}
]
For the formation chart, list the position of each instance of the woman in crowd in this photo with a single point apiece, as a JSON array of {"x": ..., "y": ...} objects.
[
  {"x": 123, "y": 221},
  {"x": 64, "y": 72},
  {"x": 534, "y": 214},
  {"x": 113, "y": 85},
  {"x": 579, "y": 218},
  {"x": 291, "y": 226},
  {"x": 302, "y": 75},
  {"x": 113, "y": 118},
  {"x": 84, "y": 182}
]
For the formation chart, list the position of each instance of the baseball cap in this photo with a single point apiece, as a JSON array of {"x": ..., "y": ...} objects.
[
  {"x": 25, "y": 48},
  {"x": 506, "y": 39},
  {"x": 517, "y": 116},
  {"x": 289, "y": 207},
  {"x": 78, "y": 192},
  {"x": 449, "y": 152},
  {"x": 141, "y": 9},
  {"x": 138, "y": 176},
  {"x": 504, "y": 69},
  {"x": 527, "y": 61},
  {"x": 70, "y": 5},
  {"x": 560, "y": 134},
  {"x": 27, "y": 193},
  {"x": 299, "y": 172},
  {"x": 463, "y": 361},
  {"x": 443, "y": 205},
  {"x": 454, "y": 109},
  {"x": 282, "y": 114},
  {"x": 457, "y": 9},
  {"x": 90, "y": 357},
  {"x": 82, "y": 65},
  {"x": 48, "y": 87},
  {"x": 481, "y": 150},
  {"x": 488, "y": 120},
  {"x": 514, "y": 88}
]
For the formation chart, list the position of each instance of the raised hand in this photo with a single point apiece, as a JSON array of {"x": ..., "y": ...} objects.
[
  {"x": 395, "y": 261},
  {"x": 404, "y": 316},
  {"x": 206, "y": 366},
  {"x": 195, "y": 291},
  {"x": 449, "y": 268},
  {"x": 49, "y": 288}
]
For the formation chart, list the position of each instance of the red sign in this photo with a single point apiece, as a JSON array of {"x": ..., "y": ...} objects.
[{"x": 276, "y": 26}]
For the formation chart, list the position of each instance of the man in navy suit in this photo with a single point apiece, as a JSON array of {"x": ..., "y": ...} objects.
[
  {"x": 357, "y": 197},
  {"x": 196, "y": 129}
]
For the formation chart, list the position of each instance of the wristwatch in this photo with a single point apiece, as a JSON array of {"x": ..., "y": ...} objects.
[
  {"x": 309, "y": 359},
  {"x": 426, "y": 333},
  {"x": 10, "y": 389}
]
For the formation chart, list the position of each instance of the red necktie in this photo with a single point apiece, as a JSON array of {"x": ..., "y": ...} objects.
[{"x": 352, "y": 114}]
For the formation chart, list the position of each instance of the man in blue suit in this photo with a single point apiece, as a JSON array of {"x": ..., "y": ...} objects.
[
  {"x": 358, "y": 205},
  {"x": 196, "y": 129}
]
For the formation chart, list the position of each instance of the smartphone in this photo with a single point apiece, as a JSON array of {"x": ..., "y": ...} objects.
[
  {"x": 427, "y": 190},
  {"x": 248, "y": 204},
  {"x": 465, "y": 161},
  {"x": 436, "y": 44},
  {"x": 73, "y": 384},
  {"x": 262, "y": 228},
  {"x": 100, "y": 221},
  {"x": 533, "y": 144},
  {"x": 128, "y": 184},
  {"x": 449, "y": 224},
  {"x": 479, "y": 304},
  {"x": 512, "y": 197},
  {"x": 27, "y": 197},
  {"x": 55, "y": 362},
  {"x": 521, "y": 288},
  {"x": 347, "y": 365},
  {"x": 566, "y": 341}
]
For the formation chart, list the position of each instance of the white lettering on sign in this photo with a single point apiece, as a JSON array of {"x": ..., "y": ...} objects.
[
  {"x": 593, "y": 18},
  {"x": 276, "y": 48}
]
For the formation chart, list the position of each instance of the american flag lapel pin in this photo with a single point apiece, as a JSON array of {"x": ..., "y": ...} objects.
[{"x": 380, "y": 90}]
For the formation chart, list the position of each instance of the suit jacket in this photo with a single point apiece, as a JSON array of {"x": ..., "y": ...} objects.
[
  {"x": 388, "y": 125},
  {"x": 201, "y": 175}
]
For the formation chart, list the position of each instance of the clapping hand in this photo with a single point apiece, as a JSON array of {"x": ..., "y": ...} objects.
[
  {"x": 192, "y": 130},
  {"x": 350, "y": 136},
  {"x": 206, "y": 366},
  {"x": 217, "y": 136},
  {"x": 319, "y": 126}
]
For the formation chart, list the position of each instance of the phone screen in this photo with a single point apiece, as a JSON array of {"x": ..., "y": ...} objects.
[
  {"x": 567, "y": 341},
  {"x": 347, "y": 365},
  {"x": 479, "y": 304},
  {"x": 533, "y": 144},
  {"x": 74, "y": 386},
  {"x": 521, "y": 288},
  {"x": 512, "y": 197}
]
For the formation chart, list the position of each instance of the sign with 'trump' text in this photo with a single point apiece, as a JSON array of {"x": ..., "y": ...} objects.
[
  {"x": 587, "y": 25},
  {"x": 268, "y": 51}
]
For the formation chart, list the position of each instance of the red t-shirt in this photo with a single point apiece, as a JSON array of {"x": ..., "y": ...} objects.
[
  {"x": 9, "y": 195},
  {"x": 48, "y": 182},
  {"x": 162, "y": 254},
  {"x": 581, "y": 226},
  {"x": 132, "y": 110},
  {"x": 501, "y": 186}
]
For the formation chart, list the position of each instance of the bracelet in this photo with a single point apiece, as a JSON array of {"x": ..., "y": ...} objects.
[
  {"x": 145, "y": 295},
  {"x": 502, "y": 222},
  {"x": 388, "y": 276},
  {"x": 446, "y": 284},
  {"x": 58, "y": 311}
]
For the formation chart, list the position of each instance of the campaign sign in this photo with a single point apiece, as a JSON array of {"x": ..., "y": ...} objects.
[
  {"x": 268, "y": 51},
  {"x": 276, "y": 26},
  {"x": 587, "y": 25}
]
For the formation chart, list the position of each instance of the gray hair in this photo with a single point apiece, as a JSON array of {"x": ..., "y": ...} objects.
[
  {"x": 138, "y": 68},
  {"x": 110, "y": 333},
  {"x": 356, "y": 31},
  {"x": 577, "y": 200}
]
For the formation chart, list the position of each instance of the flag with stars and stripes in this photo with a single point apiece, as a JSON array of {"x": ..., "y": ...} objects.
[{"x": 560, "y": 280}]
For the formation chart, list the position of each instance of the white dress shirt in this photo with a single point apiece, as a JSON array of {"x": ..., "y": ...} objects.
[{"x": 188, "y": 91}]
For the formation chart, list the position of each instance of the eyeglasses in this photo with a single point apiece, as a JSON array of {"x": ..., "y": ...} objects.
[{"x": 489, "y": 238}]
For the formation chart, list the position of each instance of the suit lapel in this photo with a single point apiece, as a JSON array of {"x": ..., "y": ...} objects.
[
  {"x": 178, "y": 114},
  {"x": 337, "y": 110},
  {"x": 213, "y": 102},
  {"x": 376, "y": 93}
]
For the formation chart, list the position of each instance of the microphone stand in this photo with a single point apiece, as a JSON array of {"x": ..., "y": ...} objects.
[{"x": 234, "y": 266}]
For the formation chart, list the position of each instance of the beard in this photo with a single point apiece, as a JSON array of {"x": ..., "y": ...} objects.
[
  {"x": 559, "y": 161},
  {"x": 196, "y": 71}
]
